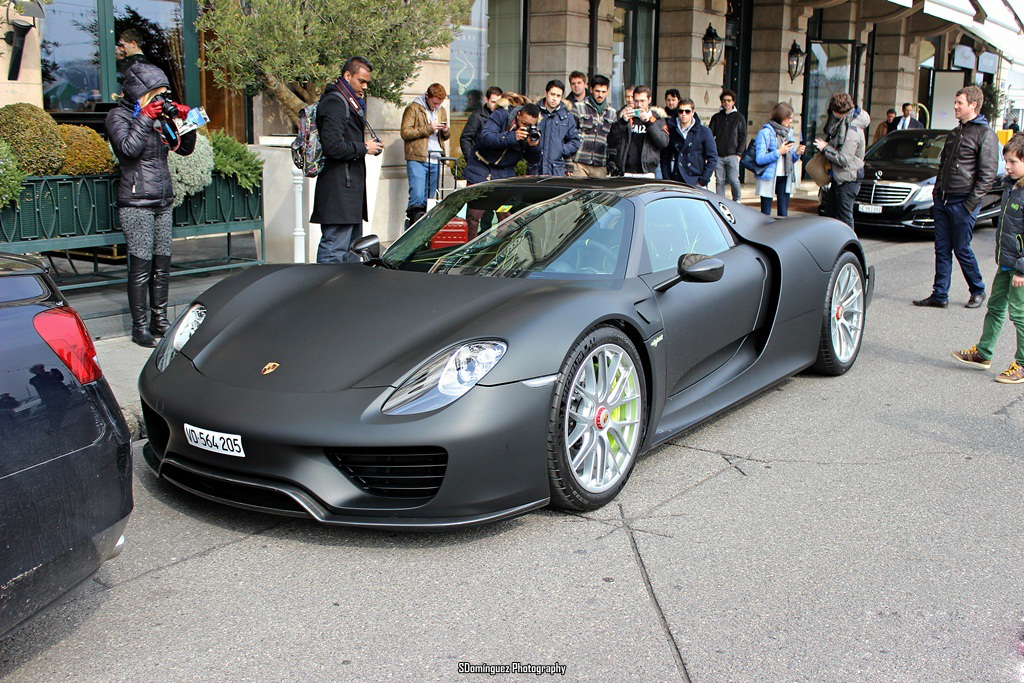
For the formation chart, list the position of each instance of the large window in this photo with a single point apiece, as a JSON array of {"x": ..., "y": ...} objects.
[
  {"x": 70, "y": 56},
  {"x": 488, "y": 51},
  {"x": 79, "y": 66}
]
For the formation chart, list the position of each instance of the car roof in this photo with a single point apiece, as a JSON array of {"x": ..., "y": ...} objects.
[
  {"x": 630, "y": 186},
  {"x": 17, "y": 264}
]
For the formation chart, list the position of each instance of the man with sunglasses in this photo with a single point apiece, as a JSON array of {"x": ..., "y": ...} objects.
[{"x": 693, "y": 155}]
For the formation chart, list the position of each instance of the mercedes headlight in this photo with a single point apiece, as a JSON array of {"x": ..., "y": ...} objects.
[
  {"x": 179, "y": 333},
  {"x": 445, "y": 377},
  {"x": 924, "y": 194}
]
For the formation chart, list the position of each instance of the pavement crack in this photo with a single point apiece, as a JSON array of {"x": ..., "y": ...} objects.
[
  {"x": 201, "y": 553},
  {"x": 677, "y": 654},
  {"x": 648, "y": 511},
  {"x": 731, "y": 459},
  {"x": 1005, "y": 410}
]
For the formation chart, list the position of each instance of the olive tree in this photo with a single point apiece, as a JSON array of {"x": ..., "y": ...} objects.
[{"x": 291, "y": 49}]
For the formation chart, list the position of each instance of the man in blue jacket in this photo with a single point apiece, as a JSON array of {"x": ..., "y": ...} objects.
[
  {"x": 504, "y": 141},
  {"x": 694, "y": 154},
  {"x": 559, "y": 138}
]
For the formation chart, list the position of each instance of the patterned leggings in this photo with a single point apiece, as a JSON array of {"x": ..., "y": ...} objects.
[{"x": 147, "y": 231}]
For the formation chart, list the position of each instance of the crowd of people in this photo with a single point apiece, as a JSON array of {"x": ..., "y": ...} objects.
[{"x": 580, "y": 133}]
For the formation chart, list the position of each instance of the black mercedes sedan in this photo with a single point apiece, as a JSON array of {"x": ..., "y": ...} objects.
[
  {"x": 65, "y": 449},
  {"x": 899, "y": 176}
]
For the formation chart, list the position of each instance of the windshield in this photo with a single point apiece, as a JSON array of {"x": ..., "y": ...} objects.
[
  {"x": 909, "y": 149},
  {"x": 508, "y": 231}
]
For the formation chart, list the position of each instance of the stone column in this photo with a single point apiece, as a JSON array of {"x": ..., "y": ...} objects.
[
  {"x": 895, "y": 68},
  {"x": 559, "y": 41},
  {"x": 777, "y": 23},
  {"x": 680, "y": 56}
]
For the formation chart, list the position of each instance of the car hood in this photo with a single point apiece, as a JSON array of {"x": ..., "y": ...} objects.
[
  {"x": 899, "y": 172},
  {"x": 333, "y": 328}
]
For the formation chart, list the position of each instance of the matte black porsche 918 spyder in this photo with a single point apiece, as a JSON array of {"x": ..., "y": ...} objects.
[{"x": 520, "y": 345}]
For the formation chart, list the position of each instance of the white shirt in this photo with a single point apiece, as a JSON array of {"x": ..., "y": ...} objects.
[{"x": 904, "y": 123}]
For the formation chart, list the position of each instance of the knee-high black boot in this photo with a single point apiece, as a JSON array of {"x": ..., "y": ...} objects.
[
  {"x": 158, "y": 285},
  {"x": 138, "y": 286}
]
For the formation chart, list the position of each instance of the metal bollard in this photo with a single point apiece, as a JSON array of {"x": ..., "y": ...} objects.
[{"x": 299, "y": 234}]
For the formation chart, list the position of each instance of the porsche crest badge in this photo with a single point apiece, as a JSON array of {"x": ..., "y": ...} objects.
[{"x": 269, "y": 368}]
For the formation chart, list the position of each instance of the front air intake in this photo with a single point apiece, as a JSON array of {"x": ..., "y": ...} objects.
[{"x": 415, "y": 472}]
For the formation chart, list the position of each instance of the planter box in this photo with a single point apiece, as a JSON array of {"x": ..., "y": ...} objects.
[{"x": 74, "y": 212}]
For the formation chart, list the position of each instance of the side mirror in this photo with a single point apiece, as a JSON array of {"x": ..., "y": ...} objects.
[
  {"x": 694, "y": 268},
  {"x": 367, "y": 247}
]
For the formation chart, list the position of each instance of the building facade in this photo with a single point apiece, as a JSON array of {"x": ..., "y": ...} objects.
[{"x": 884, "y": 52}]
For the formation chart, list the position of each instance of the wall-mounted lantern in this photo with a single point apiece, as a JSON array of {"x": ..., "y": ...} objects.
[
  {"x": 19, "y": 28},
  {"x": 712, "y": 45},
  {"x": 795, "y": 62}
]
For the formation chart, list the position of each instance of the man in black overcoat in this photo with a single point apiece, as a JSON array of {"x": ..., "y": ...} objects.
[{"x": 339, "y": 205}]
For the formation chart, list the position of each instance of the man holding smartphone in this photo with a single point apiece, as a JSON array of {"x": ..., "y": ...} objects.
[
  {"x": 424, "y": 129},
  {"x": 637, "y": 138}
]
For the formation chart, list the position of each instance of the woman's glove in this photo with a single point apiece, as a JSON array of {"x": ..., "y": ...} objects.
[
  {"x": 183, "y": 110},
  {"x": 153, "y": 109}
]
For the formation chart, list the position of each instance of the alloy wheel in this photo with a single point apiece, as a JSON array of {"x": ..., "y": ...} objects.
[
  {"x": 603, "y": 418},
  {"x": 847, "y": 318}
]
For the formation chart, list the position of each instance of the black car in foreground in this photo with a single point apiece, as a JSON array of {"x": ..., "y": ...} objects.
[
  {"x": 899, "y": 176},
  {"x": 65, "y": 450},
  {"x": 445, "y": 386}
]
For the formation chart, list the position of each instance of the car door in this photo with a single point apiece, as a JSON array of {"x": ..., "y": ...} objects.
[{"x": 705, "y": 322}]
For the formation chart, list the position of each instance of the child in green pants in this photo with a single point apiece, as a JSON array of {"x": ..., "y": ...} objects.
[{"x": 1007, "y": 291}]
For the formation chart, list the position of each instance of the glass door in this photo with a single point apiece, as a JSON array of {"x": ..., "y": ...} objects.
[
  {"x": 829, "y": 70},
  {"x": 632, "y": 47}
]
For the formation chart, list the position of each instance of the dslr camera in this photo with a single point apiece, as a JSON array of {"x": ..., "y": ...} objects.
[
  {"x": 533, "y": 133},
  {"x": 168, "y": 109}
]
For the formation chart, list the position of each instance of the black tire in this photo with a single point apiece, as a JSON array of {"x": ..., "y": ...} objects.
[
  {"x": 572, "y": 490},
  {"x": 838, "y": 353}
]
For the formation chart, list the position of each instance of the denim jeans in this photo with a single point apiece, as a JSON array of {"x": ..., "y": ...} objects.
[
  {"x": 728, "y": 171},
  {"x": 335, "y": 243},
  {"x": 422, "y": 181},
  {"x": 954, "y": 229},
  {"x": 781, "y": 195}
]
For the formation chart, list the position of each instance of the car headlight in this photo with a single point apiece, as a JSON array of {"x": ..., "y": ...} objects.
[
  {"x": 445, "y": 377},
  {"x": 924, "y": 194},
  {"x": 181, "y": 331}
]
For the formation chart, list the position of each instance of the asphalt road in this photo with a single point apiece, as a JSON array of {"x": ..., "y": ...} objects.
[{"x": 862, "y": 528}]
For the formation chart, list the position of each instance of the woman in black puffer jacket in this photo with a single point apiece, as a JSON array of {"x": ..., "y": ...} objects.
[{"x": 145, "y": 196}]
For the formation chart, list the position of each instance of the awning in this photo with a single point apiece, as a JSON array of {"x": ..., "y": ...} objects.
[{"x": 1000, "y": 29}]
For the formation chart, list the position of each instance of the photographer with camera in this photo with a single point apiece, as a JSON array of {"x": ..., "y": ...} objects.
[
  {"x": 142, "y": 130},
  {"x": 339, "y": 203},
  {"x": 559, "y": 138},
  {"x": 508, "y": 137}
]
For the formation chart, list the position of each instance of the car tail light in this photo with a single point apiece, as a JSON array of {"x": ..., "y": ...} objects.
[{"x": 65, "y": 333}]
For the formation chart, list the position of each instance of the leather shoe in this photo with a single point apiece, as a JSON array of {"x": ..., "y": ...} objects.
[
  {"x": 975, "y": 300},
  {"x": 930, "y": 301}
]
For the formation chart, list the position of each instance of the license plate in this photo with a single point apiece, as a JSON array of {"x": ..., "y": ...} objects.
[
  {"x": 218, "y": 442},
  {"x": 869, "y": 208}
]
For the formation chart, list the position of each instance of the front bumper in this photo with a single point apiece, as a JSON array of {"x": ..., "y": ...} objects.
[{"x": 306, "y": 454}]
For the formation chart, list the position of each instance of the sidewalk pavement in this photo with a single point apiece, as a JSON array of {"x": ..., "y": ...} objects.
[{"x": 121, "y": 362}]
